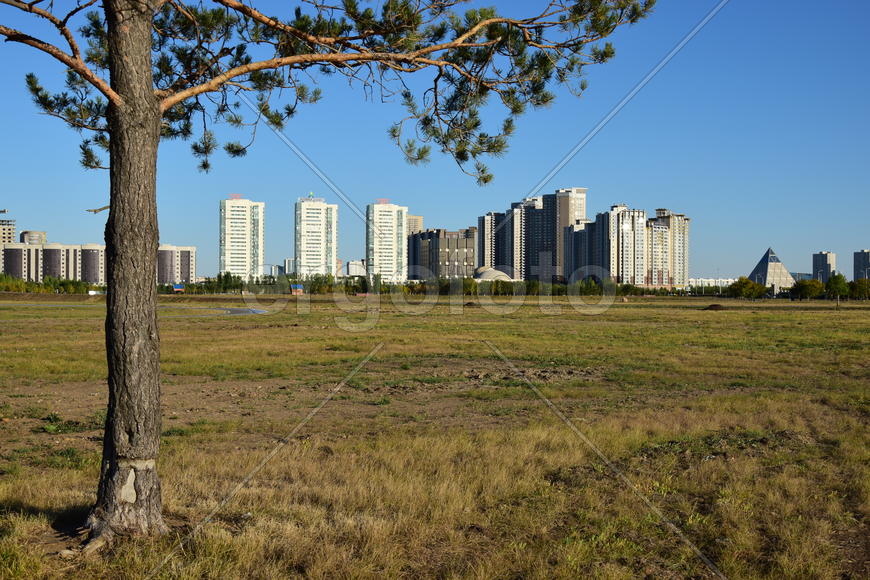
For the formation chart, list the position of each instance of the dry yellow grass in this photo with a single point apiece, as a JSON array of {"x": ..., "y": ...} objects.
[{"x": 746, "y": 427}]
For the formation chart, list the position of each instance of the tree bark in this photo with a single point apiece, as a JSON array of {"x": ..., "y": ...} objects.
[{"x": 128, "y": 496}]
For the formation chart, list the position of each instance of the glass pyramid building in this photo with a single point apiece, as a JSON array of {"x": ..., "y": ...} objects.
[{"x": 770, "y": 271}]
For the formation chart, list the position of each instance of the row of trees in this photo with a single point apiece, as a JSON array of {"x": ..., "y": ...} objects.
[
  {"x": 48, "y": 286},
  {"x": 226, "y": 283},
  {"x": 836, "y": 287},
  {"x": 327, "y": 284}
]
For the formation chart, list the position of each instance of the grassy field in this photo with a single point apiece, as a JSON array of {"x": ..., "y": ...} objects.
[{"x": 746, "y": 427}]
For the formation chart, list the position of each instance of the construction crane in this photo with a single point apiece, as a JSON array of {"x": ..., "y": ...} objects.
[{"x": 98, "y": 209}]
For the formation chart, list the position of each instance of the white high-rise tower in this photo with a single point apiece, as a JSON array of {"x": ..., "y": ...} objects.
[
  {"x": 387, "y": 241},
  {"x": 316, "y": 237},
  {"x": 242, "y": 239}
]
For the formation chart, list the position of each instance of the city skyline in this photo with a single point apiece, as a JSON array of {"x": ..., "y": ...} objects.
[
  {"x": 678, "y": 133},
  {"x": 823, "y": 262},
  {"x": 635, "y": 249}
]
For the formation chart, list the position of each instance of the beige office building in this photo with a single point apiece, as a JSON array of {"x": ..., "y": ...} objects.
[{"x": 440, "y": 253}]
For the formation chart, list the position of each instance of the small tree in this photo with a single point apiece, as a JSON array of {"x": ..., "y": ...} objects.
[
  {"x": 743, "y": 287},
  {"x": 837, "y": 286},
  {"x": 138, "y": 71}
]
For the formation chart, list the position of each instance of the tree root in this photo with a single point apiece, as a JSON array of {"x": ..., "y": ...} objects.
[
  {"x": 102, "y": 536},
  {"x": 96, "y": 543}
]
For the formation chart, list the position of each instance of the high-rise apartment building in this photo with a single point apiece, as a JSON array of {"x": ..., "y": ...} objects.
[
  {"x": 316, "y": 237},
  {"x": 546, "y": 218},
  {"x": 549, "y": 238},
  {"x": 520, "y": 238},
  {"x": 539, "y": 236},
  {"x": 486, "y": 232},
  {"x": 615, "y": 242},
  {"x": 658, "y": 254},
  {"x": 861, "y": 265},
  {"x": 668, "y": 249},
  {"x": 242, "y": 238},
  {"x": 501, "y": 239},
  {"x": 176, "y": 264},
  {"x": 442, "y": 254},
  {"x": 629, "y": 242},
  {"x": 415, "y": 224},
  {"x": 577, "y": 244},
  {"x": 387, "y": 241},
  {"x": 570, "y": 210},
  {"x": 7, "y": 231},
  {"x": 824, "y": 266},
  {"x": 528, "y": 240},
  {"x": 632, "y": 249}
]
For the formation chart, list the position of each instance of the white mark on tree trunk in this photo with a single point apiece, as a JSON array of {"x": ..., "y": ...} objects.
[
  {"x": 138, "y": 464},
  {"x": 128, "y": 492}
]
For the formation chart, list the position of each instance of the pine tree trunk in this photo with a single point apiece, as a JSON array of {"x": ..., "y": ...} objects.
[{"x": 128, "y": 496}]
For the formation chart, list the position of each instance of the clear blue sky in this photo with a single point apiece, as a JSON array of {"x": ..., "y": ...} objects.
[{"x": 758, "y": 130}]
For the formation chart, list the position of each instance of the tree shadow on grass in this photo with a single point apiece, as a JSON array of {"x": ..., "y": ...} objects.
[{"x": 67, "y": 523}]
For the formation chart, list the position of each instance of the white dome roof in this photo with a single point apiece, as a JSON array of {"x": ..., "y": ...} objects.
[{"x": 487, "y": 273}]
